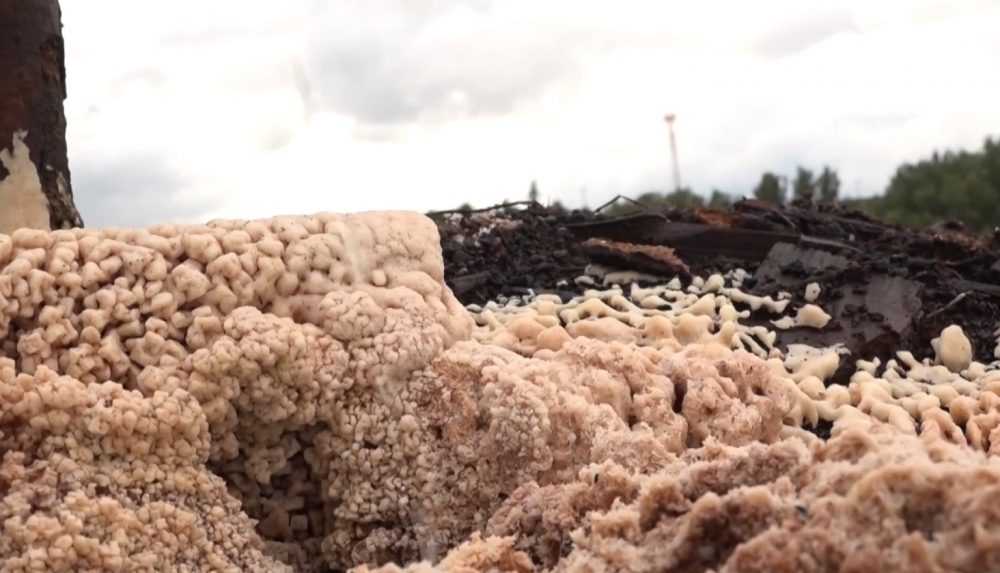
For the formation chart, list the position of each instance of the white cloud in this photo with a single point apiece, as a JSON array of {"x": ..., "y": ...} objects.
[{"x": 259, "y": 108}]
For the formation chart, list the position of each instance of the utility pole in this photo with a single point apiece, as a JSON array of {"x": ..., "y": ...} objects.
[{"x": 673, "y": 150}]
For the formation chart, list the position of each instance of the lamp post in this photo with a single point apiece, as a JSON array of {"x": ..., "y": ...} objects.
[{"x": 670, "y": 117}]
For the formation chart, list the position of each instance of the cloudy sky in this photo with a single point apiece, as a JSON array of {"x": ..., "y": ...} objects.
[{"x": 191, "y": 110}]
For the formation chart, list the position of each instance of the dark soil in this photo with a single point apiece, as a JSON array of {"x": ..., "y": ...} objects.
[{"x": 888, "y": 288}]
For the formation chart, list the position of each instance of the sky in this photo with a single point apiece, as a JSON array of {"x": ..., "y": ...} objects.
[{"x": 187, "y": 111}]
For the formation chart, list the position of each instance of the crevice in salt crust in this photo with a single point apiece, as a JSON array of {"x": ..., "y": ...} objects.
[{"x": 355, "y": 414}]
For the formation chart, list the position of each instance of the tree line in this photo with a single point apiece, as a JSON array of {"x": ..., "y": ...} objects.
[
  {"x": 950, "y": 185},
  {"x": 953, "y": 185}
]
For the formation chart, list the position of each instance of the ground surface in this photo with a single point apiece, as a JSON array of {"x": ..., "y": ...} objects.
[{"x": 887, "y": 287}]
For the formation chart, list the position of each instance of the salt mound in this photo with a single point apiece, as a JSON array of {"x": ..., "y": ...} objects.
[{"x": 305, "y": 393}]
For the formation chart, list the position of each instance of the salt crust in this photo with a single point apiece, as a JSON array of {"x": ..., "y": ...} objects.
[{"x": 163, "y": 389}]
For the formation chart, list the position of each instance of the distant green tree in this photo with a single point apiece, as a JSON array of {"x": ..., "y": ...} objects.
[
  {"x": 465, "y": 207},
  {"x": 720, "y": 200},
  {"x": 620, "y": 208},
  {"x": 958, "y": 185},
  {"x": 804, "y": 187},
  {"x": 684, "y": 199},
  {"x": 533, "y": 192},
  {"x": 680, "y": 199},
  {"x": 828, "y": 185},
  {"x": 657, "y": 201},
  {"x": 770, "y": 189},
  {"x": 651, "y": 199},
  {"x": 951, "y": 185},
  {"x": 991, "y": 163}
]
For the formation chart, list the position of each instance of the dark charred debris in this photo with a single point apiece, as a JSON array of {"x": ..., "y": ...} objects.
[{"x": 887, "y": 288}]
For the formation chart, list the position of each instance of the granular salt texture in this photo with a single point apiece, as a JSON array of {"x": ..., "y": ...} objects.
[
  {"x": 98, "y": 478},
  {"x": 490, "y": 420},
  {"x": 736, "y": 401},
  {"x": 323, "y": 369},
  {"x": 869, "y": 499},
  {"x": 295, "y": 336},
  {"x": 543, "y": 518},
  {"x": 476, "y": 554},
  {"x": 957, "y": 393},
  {"x": 316, "y": 351},
  {"x": 99, "y": 305}
]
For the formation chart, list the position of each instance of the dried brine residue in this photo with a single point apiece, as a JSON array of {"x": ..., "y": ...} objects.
[{"x": 306, "y": 394}]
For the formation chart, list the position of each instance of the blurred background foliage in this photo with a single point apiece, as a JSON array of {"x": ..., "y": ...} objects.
[
  {"x": 963, "y": 186},
  {"x": 947, "y": 186}
]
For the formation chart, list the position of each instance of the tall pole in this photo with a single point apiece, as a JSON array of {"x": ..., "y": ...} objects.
[
  {"x": 673, "y": 151},
  {"x": 35, "y": 186}
]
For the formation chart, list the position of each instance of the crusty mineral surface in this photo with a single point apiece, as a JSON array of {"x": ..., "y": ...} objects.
[
  {"x": 305, "y": 394},
  {"x": 869, "y": 499},
  {"x": 143, "y": 366}
]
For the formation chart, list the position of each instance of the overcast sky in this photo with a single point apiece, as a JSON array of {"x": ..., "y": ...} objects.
[{"x": 190, "y": 110}]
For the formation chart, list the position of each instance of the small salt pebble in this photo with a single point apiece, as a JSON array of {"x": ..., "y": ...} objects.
[{"x": 812, "y": 292}]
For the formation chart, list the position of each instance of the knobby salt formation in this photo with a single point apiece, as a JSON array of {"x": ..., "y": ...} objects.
[
  {"x": 305, "y": 393},
  {"x": 320, "y": 366},
  {"x": 263, "y": 351}
]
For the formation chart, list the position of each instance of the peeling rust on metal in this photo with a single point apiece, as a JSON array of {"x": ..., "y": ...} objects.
[
  {"x": 648, "y": 258},
  {"x": 32, "y": 91},
  {"x": 697, "y": 239}
]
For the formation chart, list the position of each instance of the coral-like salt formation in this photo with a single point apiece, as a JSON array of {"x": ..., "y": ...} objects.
[
  {"x": 98, "y": 478},
  {"x": 868, "y": 499},
  {"x": 274, "y": 353},
  {"x": 305, "y": 393}
]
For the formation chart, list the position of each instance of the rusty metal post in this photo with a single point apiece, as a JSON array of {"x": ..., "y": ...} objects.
[{"x": 35, "y": 186}]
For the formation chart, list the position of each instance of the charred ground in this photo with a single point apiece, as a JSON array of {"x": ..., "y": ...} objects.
[{"x": 887, "y": 287}]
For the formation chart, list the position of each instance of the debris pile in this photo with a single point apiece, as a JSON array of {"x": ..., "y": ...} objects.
[
  {"x": 508, "y": 251},
  {"x": 883, "y": 287}
]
